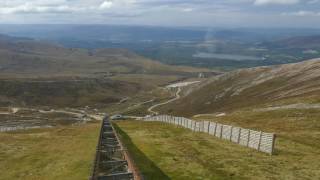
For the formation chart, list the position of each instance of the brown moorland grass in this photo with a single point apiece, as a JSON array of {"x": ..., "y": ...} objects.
[
  {"x": 249, "y": 88},
  {"x": 65, "y": 152},
  {"x": 181, "y": 154}
]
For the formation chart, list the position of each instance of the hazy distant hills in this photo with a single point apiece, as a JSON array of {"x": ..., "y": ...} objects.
[
  {"x": 252, "y": 88},
  {"x": 121, "y": 33},
  {"x": 100, "y": 33},
  {"x": 180, "y": 45},
  {"x": 302, "y": 42},
  {"x": 37, "y": 58}
]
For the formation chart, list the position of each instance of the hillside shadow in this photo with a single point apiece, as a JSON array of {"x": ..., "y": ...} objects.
[{"x": 147, "y": 168}]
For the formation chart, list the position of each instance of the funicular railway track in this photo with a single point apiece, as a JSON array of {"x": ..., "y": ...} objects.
[{"x": 112, "y": 161}]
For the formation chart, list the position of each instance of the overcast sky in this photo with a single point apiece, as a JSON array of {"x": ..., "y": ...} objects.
[{"x": 223, "y": 13}]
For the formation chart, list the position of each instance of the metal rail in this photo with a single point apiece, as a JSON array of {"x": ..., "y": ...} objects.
[{"x": 111, "y": 159}]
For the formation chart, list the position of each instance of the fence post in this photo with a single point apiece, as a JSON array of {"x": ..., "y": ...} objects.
[
  {"x": 202, "y": 126},
  {"x": 231, "y": 133},
  {"x": 248, "y": 138},
  {"x": 273, "y": 143},
  {"x": 259, "y": 143},
  {"x": 194, "y": 126},
  {"x": 215, "y": 129},
  {"x": 208, "y": 127},
  {"x": 221, "y": 129},
  {"x": 239, "y": 136}
]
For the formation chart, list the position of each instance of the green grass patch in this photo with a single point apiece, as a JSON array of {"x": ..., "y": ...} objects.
[
  {"x": 150, "y": 170},
  {"x": 181, "y": 154},
  {"x": 58, "y": 153},
  {"x": 178, "y": 153}
]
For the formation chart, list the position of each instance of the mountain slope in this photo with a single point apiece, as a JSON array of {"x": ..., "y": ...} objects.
[
  {"x": 249, "y": 88},
  {"x": 36, "y": 73},
  {"x": 26, "y": 57}
]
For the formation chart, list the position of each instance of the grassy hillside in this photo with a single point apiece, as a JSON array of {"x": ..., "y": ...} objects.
[
  {"x": 36, "y": 73},
  {"x": 166, "y": 152},
  {"x": 283, "y": 99},
  {"x": 249, "y": 88},
  {"x": 64, "y": 93},
  {"x": 58, "y": 153}
]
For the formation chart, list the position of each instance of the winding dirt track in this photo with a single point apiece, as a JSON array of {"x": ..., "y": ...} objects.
[{"x": 177, "y": 96}]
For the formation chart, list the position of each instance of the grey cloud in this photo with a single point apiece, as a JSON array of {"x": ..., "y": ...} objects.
[
  {"x": 163, "y": 12},
  {"x": 277, "y": 2}
]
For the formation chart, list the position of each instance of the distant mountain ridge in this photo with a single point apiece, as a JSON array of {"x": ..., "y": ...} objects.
[
  {"x": 23, "y": 56},
  {"x": 178, "y": 45},
  {"x": 302, "y": 42},
  {"x": 122, "y": 33}
]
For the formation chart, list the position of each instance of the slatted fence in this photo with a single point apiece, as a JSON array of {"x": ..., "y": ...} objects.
[
  {"x": 258, "y": 140},
  {"x": 7, "y": 129}
]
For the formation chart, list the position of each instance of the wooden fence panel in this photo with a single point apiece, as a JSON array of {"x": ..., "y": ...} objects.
[
  {"x": 191, "y": 125},
  {"x": 187, "y": 123},
  {"x": 184, "y": 122},
  {"x": 176, "y": 120},
  {"x": 212, "y": 128},
  {"x": 254, "y": 139},
  {"x": 201, "y": 126},
  {"x": 218, "y": 131},
  {"x": 206, "y": 126},
  {"x": 190, "y": 122},
  {"x": 260, "y": 141},
  {"x": 235, "y": 137},
  {"x": 244, "y": 137},
  {"x": 267, "y": 142},
  {"x": 226, "y": 132},
  {"x": 197, "y": 128}
]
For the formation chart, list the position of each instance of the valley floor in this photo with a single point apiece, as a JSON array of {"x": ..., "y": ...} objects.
[{"x": 63, "y": 152}]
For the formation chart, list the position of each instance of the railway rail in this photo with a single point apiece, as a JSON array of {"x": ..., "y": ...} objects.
[{"x": 112, "y": 161}]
